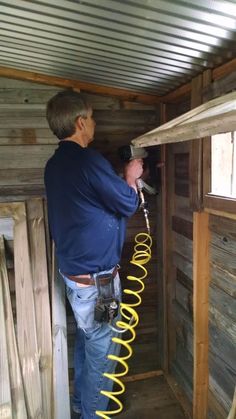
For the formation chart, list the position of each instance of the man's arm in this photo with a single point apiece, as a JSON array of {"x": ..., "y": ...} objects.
[{"x": 116, "y": 194}]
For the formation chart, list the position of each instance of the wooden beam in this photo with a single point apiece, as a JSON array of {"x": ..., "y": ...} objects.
[
  {"x": 195, "y": 155},
  {"x": 201, "y": 238},
  {"x": 185, "y": 89},
  {"x": 177, "y": 94},
  {"x": 224, "y": 69},
  {"x": 215, "y": 116},
  {"x": 221, "y": 213},
  {"x": 204, "y": 128},
  {"x": 78, "y": 85},
  {"x": 142, "y": 376}
]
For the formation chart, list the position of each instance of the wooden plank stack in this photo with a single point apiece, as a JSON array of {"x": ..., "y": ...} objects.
[{"x": 28, "y": 350}]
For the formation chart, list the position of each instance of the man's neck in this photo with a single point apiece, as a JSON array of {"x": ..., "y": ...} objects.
[{"x": 77, "y": 139}]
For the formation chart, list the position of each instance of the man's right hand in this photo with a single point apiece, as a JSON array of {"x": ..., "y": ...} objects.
[{"x": 133, "y": 170}]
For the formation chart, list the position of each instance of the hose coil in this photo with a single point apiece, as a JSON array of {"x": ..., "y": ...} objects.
[{"x": 130, "y": 319}]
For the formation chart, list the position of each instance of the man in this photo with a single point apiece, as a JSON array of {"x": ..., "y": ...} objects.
[{"x": 88, "y": 205}]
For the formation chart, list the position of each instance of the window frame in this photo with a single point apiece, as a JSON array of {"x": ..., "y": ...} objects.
[{"x": 211, "y": 201}]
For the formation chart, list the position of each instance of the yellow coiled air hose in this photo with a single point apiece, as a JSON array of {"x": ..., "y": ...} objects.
[{"x": 141, "y": 256}]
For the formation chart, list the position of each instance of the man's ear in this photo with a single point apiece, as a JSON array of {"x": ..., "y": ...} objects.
[{"x": 80, "y": 123}]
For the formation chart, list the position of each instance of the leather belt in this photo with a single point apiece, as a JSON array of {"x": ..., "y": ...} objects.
[{"x": 88, "y": 279}]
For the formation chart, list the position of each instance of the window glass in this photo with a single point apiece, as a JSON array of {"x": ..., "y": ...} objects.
[{"x": 223, "y": 164}]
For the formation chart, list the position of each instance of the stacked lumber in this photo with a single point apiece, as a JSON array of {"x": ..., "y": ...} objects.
[{"x": 33, "y": 350}]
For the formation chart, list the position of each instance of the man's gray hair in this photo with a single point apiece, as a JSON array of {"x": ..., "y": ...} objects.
[{"x": 63, "y": 109}]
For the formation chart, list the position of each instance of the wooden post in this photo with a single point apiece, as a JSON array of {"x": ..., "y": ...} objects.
[
  {"x": 200, "y": 300},
  {"x": 26, "y": 321},
  {"x": 5, "y": 391},
  {"x": 61, "y": 398},
  {"x": 170, "y": 270},
  {"x": 17, "y": 391},
  {"x": 161, "y": 251},
  {"x": 35, "y": 217}
]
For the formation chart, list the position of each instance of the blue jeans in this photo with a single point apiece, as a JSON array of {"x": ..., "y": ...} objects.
[{"x": 92, "y": 345}]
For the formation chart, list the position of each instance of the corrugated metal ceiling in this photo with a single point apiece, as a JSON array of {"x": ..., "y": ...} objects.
[{"x": 147, "y": 46}]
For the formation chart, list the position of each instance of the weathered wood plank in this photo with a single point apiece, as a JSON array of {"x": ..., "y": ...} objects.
[
  {"x": 183, "y": 245},
  {"x": 12, "y": 177},
  {"x": 184, "y": 327},
  {"x": 182, "y": 369},
  {"x": 223, "y": 350},
  {"x": 182, "y": 165},
  {"x": 61, "y": 400},
  {"x": 223, "y": 322},
  {"x": 184, "y": 280},
  {"x": 223, "y": 232},
  {"x": 17, "y": 391},
  {"x": 26, "y": 322},
  {"x": 182, "y": 174},
  {"x": 184, "y": 298},
  {"x": 220, "y": 87},
  {"x": 182, "y": 208},
  {"x": 183, "y": 264},
  {"x": 9, "y": 209},
  {"x": 223, "y": 377},
  {"x": 32, "y": 95},
  {"x": 12, "y": 136},
  {"x": 223, "y": 259},
  {"x": 25, "y": 157},
  {"x": 215, "y": 408},
  {"x": 223, "y": 279},
  {"x": 182, "y": 226},
  {"x": 35, "y": 219},
  {"x": 201, "y": 277},
  {"x": 224, "y": 302},
  {"x": 5, "y": 390}
]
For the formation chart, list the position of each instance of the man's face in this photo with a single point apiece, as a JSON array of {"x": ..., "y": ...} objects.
[{"x": 89, "y": 126}]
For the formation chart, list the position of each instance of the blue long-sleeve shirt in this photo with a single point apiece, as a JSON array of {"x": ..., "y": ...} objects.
[{"x": 87, "y": 207}]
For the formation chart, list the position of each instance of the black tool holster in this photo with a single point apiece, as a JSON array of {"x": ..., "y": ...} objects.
[{"x": 107, "y": 305}]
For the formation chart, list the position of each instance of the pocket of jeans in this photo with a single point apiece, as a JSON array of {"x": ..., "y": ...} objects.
[{"x": 83, "y": 304}]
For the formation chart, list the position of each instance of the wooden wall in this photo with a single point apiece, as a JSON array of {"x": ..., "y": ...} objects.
[
  {"x": 180, "y": 270},
  {"x": 26, "y": 141},
  {"x": 222, "y": 290},
  {"x": 25, "y": 145},
  {"x": 222, "y": 309}
]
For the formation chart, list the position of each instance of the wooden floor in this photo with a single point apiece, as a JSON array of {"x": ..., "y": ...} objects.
[{"x": 149, "y": 399}]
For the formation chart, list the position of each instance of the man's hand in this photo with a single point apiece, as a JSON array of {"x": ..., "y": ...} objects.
[{"x": 132, "y": 171}]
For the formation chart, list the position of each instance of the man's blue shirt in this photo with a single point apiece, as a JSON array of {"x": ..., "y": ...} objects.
[{"x": 87, "y": 206}]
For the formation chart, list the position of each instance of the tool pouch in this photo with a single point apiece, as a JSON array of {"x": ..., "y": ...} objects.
[{"x": 107, "y": 306}]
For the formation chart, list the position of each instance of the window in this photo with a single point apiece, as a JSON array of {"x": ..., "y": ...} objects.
[
  {"x": 219, "y": 172},
  {"x": 223, "y": 164}
]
